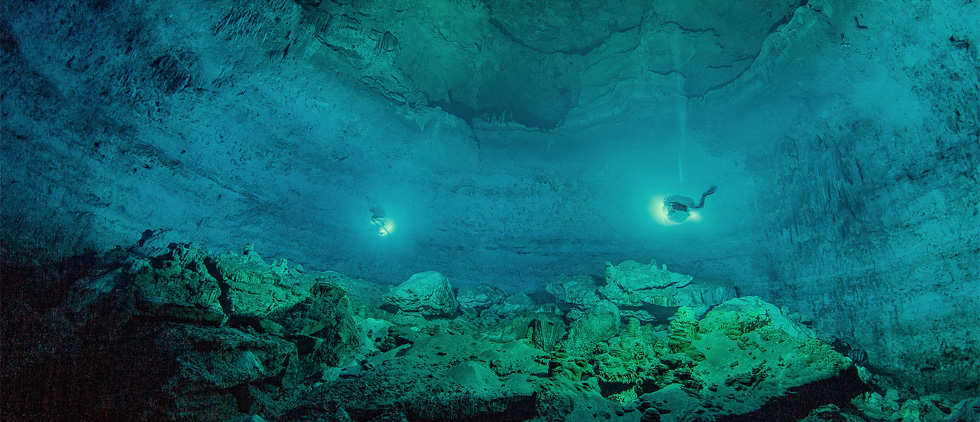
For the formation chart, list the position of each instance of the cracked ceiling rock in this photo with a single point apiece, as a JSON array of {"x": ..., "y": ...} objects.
[{"x": 536, "y": 63}]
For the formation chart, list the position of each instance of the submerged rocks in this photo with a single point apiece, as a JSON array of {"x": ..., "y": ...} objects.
[
  {"x": 547, "y": 330},
  {"x": 598, "y": 325},
  {"x": 185, "y": 335},
  {"x": 474, "y": 299},
  {"x": 577, "y": 293},
  {"x": 322, "y": 324},
  {"x": 632, "y": 276},
  {"x": 749, "y": 354},
  {"x": 257, "y": 288},
  {"x": 178, "y": 285},
  {"x": 427, "y": 294},
  {"x": 643, "y": 290}
]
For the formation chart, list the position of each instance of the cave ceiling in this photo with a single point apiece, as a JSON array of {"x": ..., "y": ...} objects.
[{"x": 533, "y": 62}]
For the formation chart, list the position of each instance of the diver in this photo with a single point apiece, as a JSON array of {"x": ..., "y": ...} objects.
[
  {"x": 679, "y": 207},
  {"x": 380, "y": 221}
]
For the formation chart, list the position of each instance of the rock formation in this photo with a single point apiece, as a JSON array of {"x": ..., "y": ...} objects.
[{"x": 177, "y": 333}]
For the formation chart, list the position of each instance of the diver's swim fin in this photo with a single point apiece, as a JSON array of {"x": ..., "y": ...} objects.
[{"x": 710, "y": 191}]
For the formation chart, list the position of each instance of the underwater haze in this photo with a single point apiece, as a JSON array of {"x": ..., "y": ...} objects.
[{"x": 490, "y": 210}]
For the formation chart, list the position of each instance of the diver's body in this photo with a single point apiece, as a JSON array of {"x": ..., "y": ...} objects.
[{"x": 679, "y": 207}]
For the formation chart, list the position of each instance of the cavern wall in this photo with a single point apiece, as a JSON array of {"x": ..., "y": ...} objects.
[
  {"x": 869, "y": 197},
  {"x": 285, "y": 124},
  {"x": 510, "y": 144}
]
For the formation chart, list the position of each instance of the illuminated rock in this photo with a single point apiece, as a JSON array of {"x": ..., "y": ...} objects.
[{"x": 427, "y": 293}]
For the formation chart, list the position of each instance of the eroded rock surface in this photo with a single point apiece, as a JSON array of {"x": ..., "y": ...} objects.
[
  {"x": 507, "y": 60},
  {"x": 177, "y": 333}
]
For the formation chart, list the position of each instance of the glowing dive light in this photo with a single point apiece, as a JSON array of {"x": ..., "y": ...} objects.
[
  {"x": 663, "y": 215},
  {"x": 381, "y": 222}
]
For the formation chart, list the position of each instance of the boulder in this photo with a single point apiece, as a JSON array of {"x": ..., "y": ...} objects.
[
  {"x": 749, "y": 356},
  {"x": 257, "y": 288},
  {"x": 650, "y": 294},
  {"x": 632, "y": 276},
  {"x": 375, "y": 334},
  {"x": 574, "y": 294},
  {"x": 601, "y": 323},
  {"x": 427, "y": 294},
  {"x": 673, "y": 403},
  {"x": 474, "y": 299},
  {"x": 177, "y": 285},
  {"x": 323, "y": 323},
  {"x": 512, "y": 329},
  {"x": 547, "y": 331},
  {"x": 512, "y": 306}
]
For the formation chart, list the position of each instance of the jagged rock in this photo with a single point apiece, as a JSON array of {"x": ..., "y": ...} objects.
[
  {"x": 463, "y": 378},
  {"x": 683, "y": 329},
  {"x": 473, "y": 299},
  {"x": 156, "y": 359},
  {"x": 427, "y": 293},
  {"x": 571, "y": 369},
  {"x": 830, "y": 412},
  {"x": 637, "y": 342},
  {"x": 929, "y": 408},
  {"x": 322, "y": 322},
  {"x": 748, "y": 355},
  {"x": 181, "y": 312},
  {"x": 575, "y": 294},
  {"x": 330, "y": 411},
  {"x": 965, "y": 410},
  {"x": 258, "y": 288},
  {"x": 375, "y": 334},
  {"x": 178, "y": 285},
  {"x": 632, "y": 276},
  {"x": 512, "y": 329},
  {"x": 214, "y": 363},
  {"x": 514, "y": 304},
  {"x": 601, "y": 323},
  {"x": 614, "y": 373},
  {"x": 249, "y": 418},
  {"x": 547, "y": 331},
  {"x": 649, "y": 293}
]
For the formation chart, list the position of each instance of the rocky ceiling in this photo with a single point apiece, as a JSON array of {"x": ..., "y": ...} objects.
[{"x": 532, "y": 62}]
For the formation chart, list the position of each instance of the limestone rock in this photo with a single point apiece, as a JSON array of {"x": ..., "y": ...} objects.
[
  {"x": 547, "y": 331},
  {"x": 830, "y": 412},
  {"x": 154, "y": 357},
  {"x": 257, "y": 288},
  {"x": 182, "y": 312},
  {"x": 649, "y": 293},
  {"x": 683, "y": 329},
  {"x": 511, "y": 329},
  {"x": 749, "y": 354},
  {"x": 474, "y": 299},
  {"x": 512, "y": 306},
  {"x": 461, "y": 378},
  {"x": 427, "y": 293},
  {"x": 601, "y": 323},
  {"x": 577, "y": 293},
  {"x": 673, "y": 404},
  {"x": 323, "y": 324},
  {"x": 177, "y": 284},
  {"x": 632, "y": 276},
  {"x": 965, "y": 410},
  {"x": 375, "y": 334}
]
